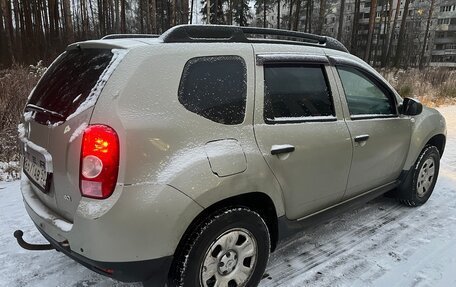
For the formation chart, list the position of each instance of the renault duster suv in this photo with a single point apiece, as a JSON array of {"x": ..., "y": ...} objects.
[{"x": 185, "y": 159}]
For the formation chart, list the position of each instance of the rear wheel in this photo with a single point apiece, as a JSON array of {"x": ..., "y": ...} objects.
[
  {"x": 417, "y": 190},
  {"x": 230, "y": 248}
]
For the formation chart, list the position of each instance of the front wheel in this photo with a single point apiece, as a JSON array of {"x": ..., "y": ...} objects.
[
  {"x": 419, "y": 188},
  {"x": 228, "y": 249}
]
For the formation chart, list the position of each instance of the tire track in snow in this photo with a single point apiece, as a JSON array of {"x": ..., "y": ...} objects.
[
  {"x": 310, "y": 258},
  {"x": 347, "y": 256}
]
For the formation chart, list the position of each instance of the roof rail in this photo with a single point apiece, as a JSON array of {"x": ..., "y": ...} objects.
[
  {"x": 129, "y": 36},
  {"x": 225, "y": 33}
]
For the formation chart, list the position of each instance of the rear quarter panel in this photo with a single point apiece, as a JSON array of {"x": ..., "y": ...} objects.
[{"x": 164, "y": 143}]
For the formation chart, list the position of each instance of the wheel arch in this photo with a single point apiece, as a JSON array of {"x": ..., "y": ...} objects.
[
  {"x": 256, "y": 201},
  {"x": 438, "y": 141}
]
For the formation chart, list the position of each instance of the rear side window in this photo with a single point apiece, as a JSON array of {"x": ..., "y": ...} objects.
[
  {"x": 295, "y": 92},
  {"x": 215, "y": 88},
  {"x": 70, "y": 79}
]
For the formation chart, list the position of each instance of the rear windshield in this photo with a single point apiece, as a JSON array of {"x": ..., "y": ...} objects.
[{"x": 69, "y": 81}]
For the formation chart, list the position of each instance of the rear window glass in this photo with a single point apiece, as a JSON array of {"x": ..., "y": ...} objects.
[
  {"x": 215, "y": 88},
  {"x": 70, "y": 79},
  {"x": 295, "y": 91}
]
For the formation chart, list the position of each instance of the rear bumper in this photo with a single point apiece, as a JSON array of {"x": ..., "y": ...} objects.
[
  {"x": 134, "y": 236},
  {"x": 154, "y": 271}
]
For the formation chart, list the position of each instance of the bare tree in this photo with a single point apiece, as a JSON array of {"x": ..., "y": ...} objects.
[
  {"x": 393, "y": 31},
  {"x": 321, "y": 17},
  {"x": 341, "y": 19},
  {"x": 123, "y": 25},
  {"x": 278, "y": 14},
  {"x": 386, "y": 33},
  {"x": 264, "y": 14},
  {"x": 8, "y": 30},
  {"x": 354, "y": 37},
  {"x": 290, "y": 15},
  {"x": 68, "y": 21},
  {"x": 370, "y": 32},
  {"x": 400, "y": 40},
  {"x": 297, "y": 14},
  {"x": 426, "y": 34}
]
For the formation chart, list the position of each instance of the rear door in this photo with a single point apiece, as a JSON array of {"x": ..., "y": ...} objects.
[
  {"x": 301, "y": 131},
  {"x": 381, "y": 137},
  {"x": 61, "y": 103}
]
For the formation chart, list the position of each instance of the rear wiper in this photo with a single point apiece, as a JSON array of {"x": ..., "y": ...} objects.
[{"x": 43, "y": 110}]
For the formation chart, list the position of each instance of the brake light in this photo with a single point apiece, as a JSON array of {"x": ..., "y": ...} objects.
[{"x": 99, "y": 164}]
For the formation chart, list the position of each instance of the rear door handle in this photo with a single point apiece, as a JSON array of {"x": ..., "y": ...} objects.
[
  {"x": 283, "y": 148},
  {"x": 361, "y": 138}
]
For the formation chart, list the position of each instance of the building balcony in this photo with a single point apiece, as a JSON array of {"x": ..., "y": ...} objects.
[
  {"x": 445, "y": 40},
  {"x": 446, "y": 52},
  {"x": 443, "y": 64}
]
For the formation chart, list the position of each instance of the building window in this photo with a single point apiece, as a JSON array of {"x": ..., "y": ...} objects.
[
  {"x": 443, "y": 21},
  {"x": 447, "y": 8}
]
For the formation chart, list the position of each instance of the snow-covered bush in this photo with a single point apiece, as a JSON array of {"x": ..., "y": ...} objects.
[
  {"x": 432, "y": 86},
  {"x": 15, "y": 86}
]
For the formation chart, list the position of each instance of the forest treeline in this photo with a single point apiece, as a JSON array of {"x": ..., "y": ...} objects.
[{"x": 32, "y": 30}]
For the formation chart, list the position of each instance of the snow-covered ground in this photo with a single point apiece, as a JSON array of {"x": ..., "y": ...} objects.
[{"x": 380, "y": 244}]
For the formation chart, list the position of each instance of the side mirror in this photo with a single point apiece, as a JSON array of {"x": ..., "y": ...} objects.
[{"x": 411, "y": 107}]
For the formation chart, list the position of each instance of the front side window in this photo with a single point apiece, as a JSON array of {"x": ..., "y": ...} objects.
[
  {"x": 296, "y": 91},
  {"x": 364, "y": 97},
  {"x": 215, "y": 88}
]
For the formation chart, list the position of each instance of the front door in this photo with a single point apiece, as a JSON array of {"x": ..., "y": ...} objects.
[
  {"x": 381, "y": 137},
  {"x": 302, "y": 134}
]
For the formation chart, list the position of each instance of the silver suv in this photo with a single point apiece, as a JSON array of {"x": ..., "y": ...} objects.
[{"x": 185, "y": 159}]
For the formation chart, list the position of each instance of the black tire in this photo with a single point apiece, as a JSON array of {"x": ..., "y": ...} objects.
[
  {"x": 187, "y": 267},
  {"x": 412, "y": 191}
]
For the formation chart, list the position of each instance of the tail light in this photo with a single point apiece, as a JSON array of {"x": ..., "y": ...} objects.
[{"x": 99, "y": 162}]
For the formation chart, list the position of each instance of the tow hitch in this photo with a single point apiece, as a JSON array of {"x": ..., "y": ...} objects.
[{"x": 19, "y": 233}]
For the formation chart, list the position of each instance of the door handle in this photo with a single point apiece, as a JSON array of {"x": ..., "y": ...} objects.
[
  {"x": 283, "y": 148},
  {"x": 361, "y": 138}
]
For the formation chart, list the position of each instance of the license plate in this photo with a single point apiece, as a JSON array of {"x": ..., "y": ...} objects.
[{"x": 35, "y": 169}]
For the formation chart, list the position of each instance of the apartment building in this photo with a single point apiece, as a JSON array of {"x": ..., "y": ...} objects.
[
  {"x": 440, "y": 48},
  {"x": 444, "y": 50}
]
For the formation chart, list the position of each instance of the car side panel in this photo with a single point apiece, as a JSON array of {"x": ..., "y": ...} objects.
[
  {"x": 424, "y": 126},
  {"x": 322, "y": 149},
  {"x": 166, "y": 143},
  {"x": 380, "y": 159}
]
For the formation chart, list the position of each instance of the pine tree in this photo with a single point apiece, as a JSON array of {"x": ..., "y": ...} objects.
[
  {"x": 242, "y": 15},
  {"x": 262, "y": 8},
  {"x": 216, "y": 10}
]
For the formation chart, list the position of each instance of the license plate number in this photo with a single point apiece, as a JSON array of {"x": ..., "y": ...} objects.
[{"x": 35, "y": 169}]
